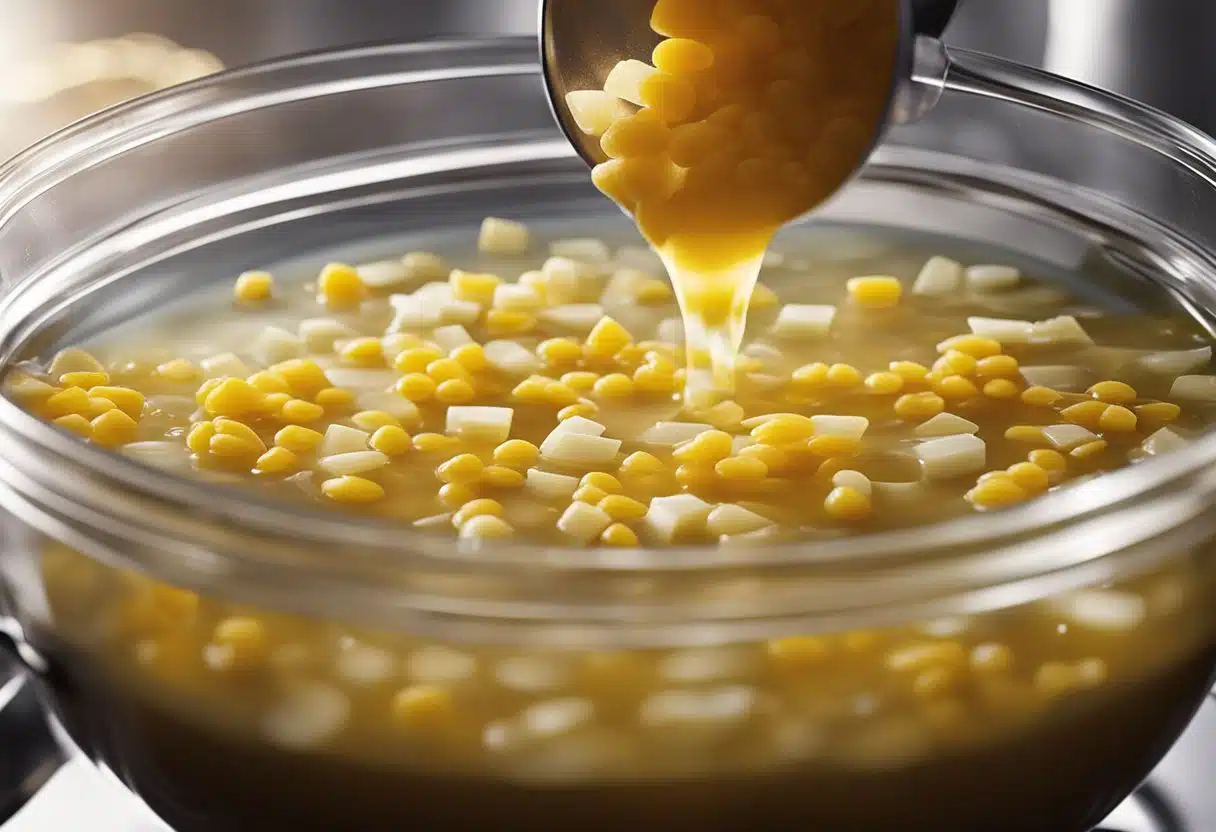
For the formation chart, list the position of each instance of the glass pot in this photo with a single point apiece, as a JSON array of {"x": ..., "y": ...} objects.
[{"x": 697, "y": 689}]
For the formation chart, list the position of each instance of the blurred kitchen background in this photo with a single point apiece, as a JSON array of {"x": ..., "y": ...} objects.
[{"x": 60, "y": 59}]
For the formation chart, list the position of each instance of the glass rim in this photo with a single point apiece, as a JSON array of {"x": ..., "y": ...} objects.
[{"x": 998, "y": 535}]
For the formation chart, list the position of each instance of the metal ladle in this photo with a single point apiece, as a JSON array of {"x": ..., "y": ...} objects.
[{"x": 582, "y": 40}]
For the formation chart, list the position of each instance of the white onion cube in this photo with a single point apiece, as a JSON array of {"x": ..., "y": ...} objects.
[
  {"x": 583, "y": 522},
  {"x": 352, "y": 463},
  {"x": 1194, "y": 388},
  {"x": 952, "y": 456},
  {"x": 594, "y": 111},
  {"x": 804, "y": 320},
  {"x": 448, "y": 338},
  {"x": 356, "y": 378},
  {"x": 625, "y": 80},
  {"x": 275, "y": 344},
  {"x": 516, "y": 297},
  {"x": 225, "y": 365},
  {"x": 671, "y": 330},
  {"x": 1064, "y": 377},
  {"x": 340, "y": 439},
  {"x": 992, "y": 278},
  {"x": 586, "y": 249},
  {"x": 1176, "y": 362},
  {"x": 1067, "y": 436},
  {"x": 1064, "y": 329},
  {"x": 463, "y": 312},
  {"x": 939, "y": 276},
  {"x": 549, "y": 486},
  {"x": 1105, "y": 610},
  {"x": 319, "y": 334},
  {"x": 479, "y": 423},
  {"x": 1004, "y": 330},
  {"x": 680, "y": 514},
  {"x": 511, "y": 357},
  {"x": 945, "y": 424},
  {"x": 1163, "y": 441},
  {"x": 577, "y": 317},
  {"x": 383, "y": 274},
  {"x": 580, "y": 424},
  {"x": 499, "y": 236},
  {"x": 855, "y": 480},
  {"x": 642, "y": 258},
  {"x": 392, "y": 403},
  {"x": 854, "y": 427},
  {"x": 730, "y": 519},
  {"x": 567, "y": 447},
  {"x": 423, "y": 265},
  {"x": 670, "y": 434}
]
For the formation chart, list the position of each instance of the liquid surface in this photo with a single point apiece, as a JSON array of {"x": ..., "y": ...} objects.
[{"x": 752, "y": 114}]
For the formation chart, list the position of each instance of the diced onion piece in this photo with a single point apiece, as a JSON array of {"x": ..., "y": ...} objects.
[
  {"x": 992, "y": 278},
  {"x": 1176, "y": 362},
  {"x": 952, "y": 456},
  {"x": 275, "y": 344},
  {"x": 577, "y": 317},
  {"x": 340, "y": 439},
  {"x": 586, "y": 249},
  {"x": 448, "y": 338},
  {"x": 671, "y": 331},
  {"x": 224, "y": 365},
  {"x": 639, "y": 257},
  {"x": 730, "y": 519},
  {"x": 804, "y": 320},
  {"x": 516, "y": 297},
  {"x": 670, "y": 434},
  {"x": 1163, "y": 441},
  {"x": 499, "y": 236},
  {"x": 1194, "y": 388},
  {"x": 855, "y": 480},
  {"x": 898, "y": 492},
  {"x": 626, "y": 78},
  {"x": 413, "y": 312},
  {"x": 423, "y": 265},
  {"x": 565, "y": 279},
  {"x": 1067, "y": 436},
  {"x": 511, "y": 357},
  {"x": 580, "y": 424},
  {"x": 853, "y": 427},
  {"x": 1004, "y": 330},
  {"x": 1064, "y": 329},
  {"x": 75, "y": 360},
  {"x": 677, "y": 515},
  {"x": 383, "y": 274},
  {"x": 939, "y": 276},
  {"x": 459, "y": 312},
  {"x": 550, "y": 486},
  {"x": 594, "y": 111},
  {"x": 1064, "y": 377},
  {"x": 945, "y": 424},
  {"x": 352, "y": 378},
  {"x": 1106, "y": 610},
  {"x": 319, "y": 334},
  {"x": 583, "y": 522},
  {"x": 479, "y": 423},
  {"x": 392, "y": 403},
  {"x": 623, "y": 285},
  {"x": 352, "y": 463},
  {"x": 568, "y": 447}
]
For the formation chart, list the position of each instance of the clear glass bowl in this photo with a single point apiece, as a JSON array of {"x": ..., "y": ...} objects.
[{"x": 155, "y": 200}]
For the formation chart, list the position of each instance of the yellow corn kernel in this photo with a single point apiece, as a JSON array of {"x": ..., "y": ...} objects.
[
  {"x": 784, "y": 429},
  {"x": 774, "y": 458},
  {"x": 303, "y": 375},
  {"x": 478, "y": 288},
  {"x": 1053, "y": 462},
  {"x": 955, "y": 363},
  {"x": 681, "y": 56},
  {"x": 470, "y": 356},
  {"x": 1117, "y": 419},
  {"x": 844, "y": 503},
  {"x": 268, "y": 382},
  {"x": 843, "y": 375},
  {"x": 98, "y": 406},
  {"x": 390, "y": 440},
  {"x": 606, "y": 339},
  {"x": 1040, "y": 396},
  {"x": 198, "y": 440},
  {"x": 630, "y": 356},
  {"x": 516, "y": 453},
  {"x": 352, "y": 490},
  {"x": 1113, "y": 392},
  {"x": 653, "y": 380},
  {"x": 614, "y": 386},
  {"x": 1026, "y": 433},
  {"x": 834, "y": 445},
  {"x": 919, "y": 406},
  {"x": 1000, "y": 388},
  {"x": 435, "y": 442},
  {"x": 416, "y": 359},
  {"x": 446, "y": 369},
  {"x": 301, "y": 412},
  {"x": 66, "y": 402},
  {"x": 75, "y": 423},
  {"x": 875, "y": 292},
  {"x": 456, "y": 494},
  {"x": 423, "y": 708},
  {"x": 205, "y": 389},
  {"x": 232, "y": 427},
  {"x": 272, "y": 403},
  {"x": 532, "y": 391},
  {"x": 559, "y": 395},
  {"x": 997, "y": 366},
  {"x": 1085, "y": 414},
  {"x": 179, "y": 371},
  {"x": 1158, "y": 413},
  {"x": 462, "y": 468},
  {"x": 619, "y": 535},
  {"x": 909, "y": 371},
  {"x": 621, "y": 508},
  {"x": 232, "y": 447},
  {"x": 372, "y": 420},
  {"x": 956, "y": 388},
  {"x": 741, "y": 469},
  {"x": 253, "y": 286},
  {"x": 695, "y": 476},
  {"x": 417, "y": 387},
  {"x": 975, "y": 346},
  {"x": 994, "y": 493},
  {"x": 589, "y": 494},
  {"x": 500, "y": 322},
  {"x": 603, "y": 481},
  {"x": 705, "y": 449},
  {"x": 367, "y": 352},
  {"x": 798, "y": 652},
  {"x": 340, "y": 287},
  {"x": 811, "y": 375},
  {"x": 275, "y": 461},
  {"x": 641, "y": 464},
  {"x": 477, "y": 508},
  {"x": 455, "y": 391},
  {"x": 1089, "y": 449},
  {"x": 652, "y": 290},
  {"x": 298, "y": 440},
  {"x": 500, "y": 476},
  {"x": 584, "y": 409},
  {"x": 334, "y": 398},
  {"x": 85, "y": 379},
  {"x": 560, "y": 352},
  {"x": 884, "y": 384},
  {"x": 244, "y": 637},
  {"x": 580, "y": 381},
  {"x": 1031, "y": 478},
  {"x": 113, "y": 428}
]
